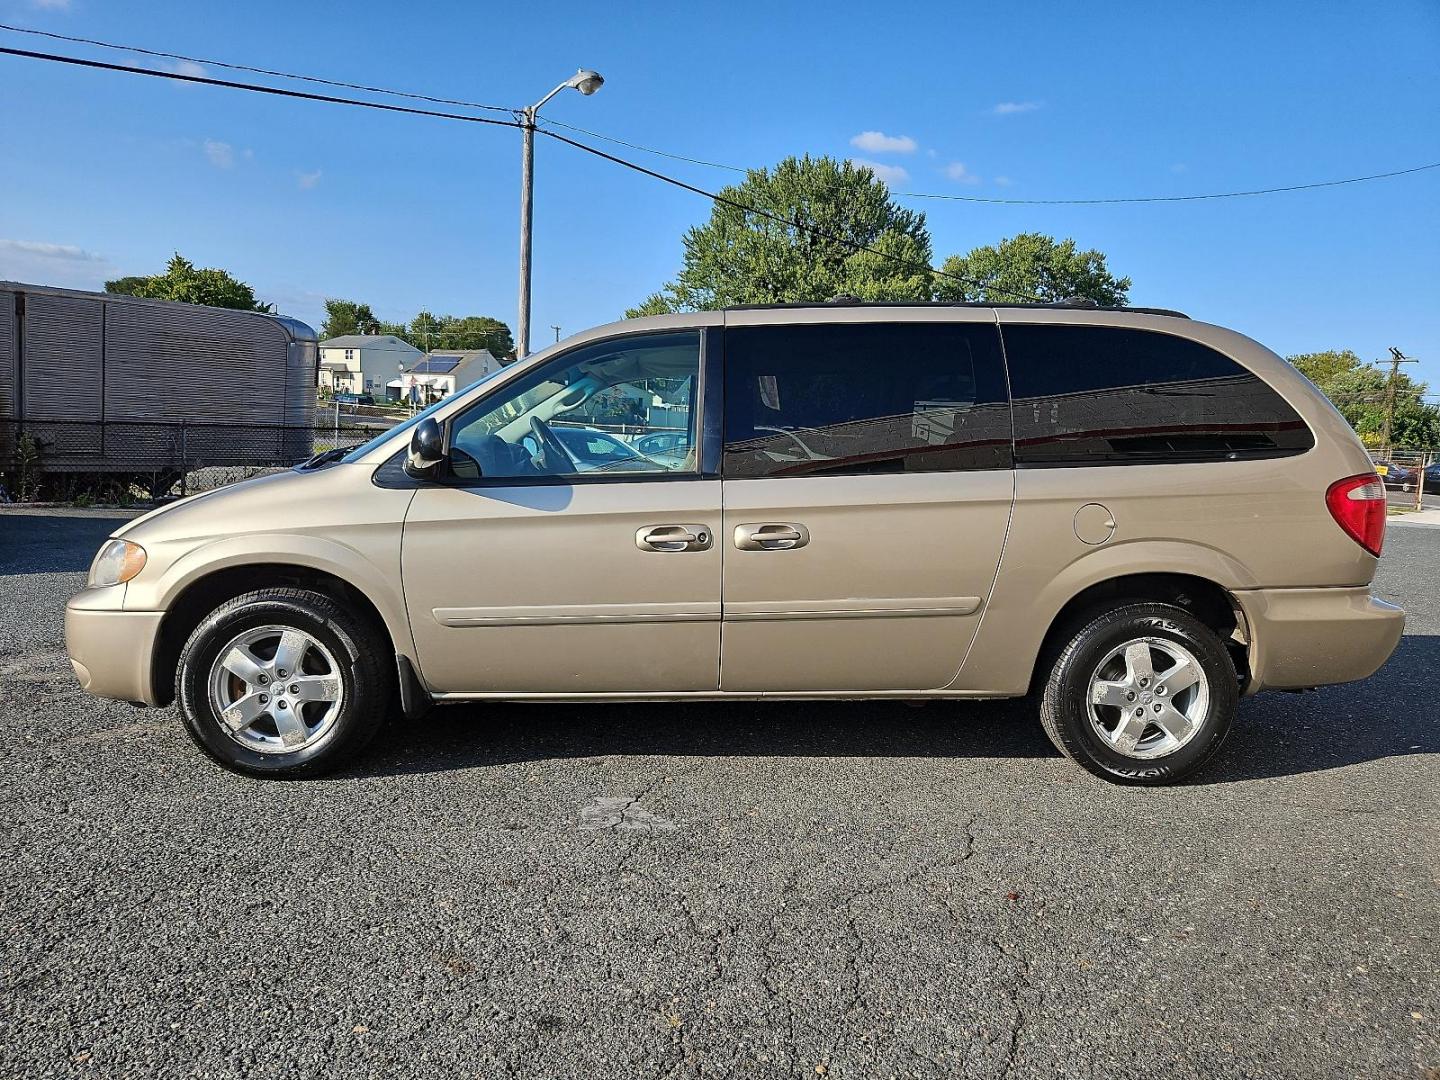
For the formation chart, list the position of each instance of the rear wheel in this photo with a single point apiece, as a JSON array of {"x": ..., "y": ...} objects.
[
  {"x": 283, "y": 682},
  {"x": 1142, "y": 694}
]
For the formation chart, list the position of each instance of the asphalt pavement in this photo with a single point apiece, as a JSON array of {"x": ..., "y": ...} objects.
[{"x": 780, "y": 890}]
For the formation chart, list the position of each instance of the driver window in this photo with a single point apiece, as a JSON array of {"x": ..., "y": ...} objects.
[{"x": 623, "y": 406}]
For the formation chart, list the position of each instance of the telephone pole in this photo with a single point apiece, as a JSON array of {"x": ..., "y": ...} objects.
[{"x": 1396, "y": 359}]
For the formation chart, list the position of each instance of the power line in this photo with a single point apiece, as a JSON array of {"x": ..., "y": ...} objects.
[
  {"x": 1036, "y": 202},
  {"x": 824, "y": 234},
  {"x": 978, "y": 199},
  {"x": 646, "y": 149},
  {"x": 255, "y": 70},
  {"x": 255, "y": 87},
  {"x": 713, "y": 196},
  {"x": 1172, "y": 198}
]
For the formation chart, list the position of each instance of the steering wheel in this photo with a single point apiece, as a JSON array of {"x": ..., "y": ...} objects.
[{"x": 553, "y": 458}]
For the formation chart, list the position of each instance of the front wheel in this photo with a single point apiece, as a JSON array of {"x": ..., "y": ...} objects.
[
  {"x": 283, "y": 682},
  {"x": 1142, "y": 694}
]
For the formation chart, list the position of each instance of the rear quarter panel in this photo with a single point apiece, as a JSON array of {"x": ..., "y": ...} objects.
[{"x": 1241, "y": 524}]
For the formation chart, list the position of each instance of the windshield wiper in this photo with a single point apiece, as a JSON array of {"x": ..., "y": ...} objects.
[{"x": 325, "y": 457}]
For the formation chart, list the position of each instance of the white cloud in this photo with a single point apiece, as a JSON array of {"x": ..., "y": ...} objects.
[
  {"x": 891, "y": 174},
  {"x": 957, "y": 171},
  {"x": 220, "y": 154},
  {"x": 67, "y": 252},
  {"x": 65, "y": 265},
  {"x": 307, "y": 180},
  {"x": 189, "y": 67},
  {"x": 877, "y": 142},
  {"x": 1003, "y": 181},
  {"x": 51, "y": 5},
  {"x": 1179, "y": 167},
  {"x": 1010, "y": 108}
]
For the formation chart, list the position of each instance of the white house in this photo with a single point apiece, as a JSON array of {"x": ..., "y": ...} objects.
[
  {"x": 441, "y": 373},
  {"x": 364, "y": 363}
]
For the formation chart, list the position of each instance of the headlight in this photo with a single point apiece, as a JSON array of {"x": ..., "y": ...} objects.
[{"x": 118, "y": 561}]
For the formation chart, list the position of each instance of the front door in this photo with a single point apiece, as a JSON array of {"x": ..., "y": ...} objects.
[
  {"x": 867, "y": 492},
  {"x": 554, "y": 557}
]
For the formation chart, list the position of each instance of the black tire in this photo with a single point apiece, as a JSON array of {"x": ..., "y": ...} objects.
[
  {"x": 1064, "y": 707},
  {"x": 366, "y": 669}
]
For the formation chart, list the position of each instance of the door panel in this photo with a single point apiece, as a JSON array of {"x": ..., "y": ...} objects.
[
  {"x": 867, "y": 494},
  {"x": 545, "y": 588},
  {"x": 887, "y": 593}
]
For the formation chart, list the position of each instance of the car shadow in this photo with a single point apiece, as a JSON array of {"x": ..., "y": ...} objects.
[
  {"x": 481, "y": 734},
  {"x": 35, "y": 542},
  {"x": 1388, "y": 715},
  {"x": 1391, "y": 714}
]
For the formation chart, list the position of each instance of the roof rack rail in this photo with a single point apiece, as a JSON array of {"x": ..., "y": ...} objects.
[{"x": 1077, "y": 303}]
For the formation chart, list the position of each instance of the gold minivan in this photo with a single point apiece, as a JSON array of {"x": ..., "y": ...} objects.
[{"x": 1134, "y": 518}]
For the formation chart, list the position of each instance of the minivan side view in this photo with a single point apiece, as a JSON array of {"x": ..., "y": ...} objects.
[{"x": 1130, "y": 517}]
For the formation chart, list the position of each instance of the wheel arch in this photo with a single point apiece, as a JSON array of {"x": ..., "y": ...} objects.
[
  {"x": 1035, "y": 599},
  {"x": 1206, "y": 599},
  {"x": 203, "y": 594}
]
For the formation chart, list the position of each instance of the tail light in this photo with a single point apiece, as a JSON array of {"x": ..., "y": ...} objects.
[{"x": 1357, "y": 504}]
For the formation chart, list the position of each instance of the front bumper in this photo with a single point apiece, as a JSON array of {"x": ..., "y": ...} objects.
[
  {"x": 1313, "y": 637},
  {"x": 112, "y": 649}
]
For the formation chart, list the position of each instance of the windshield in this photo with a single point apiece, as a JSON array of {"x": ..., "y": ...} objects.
[{"x": 390, "y": 433}]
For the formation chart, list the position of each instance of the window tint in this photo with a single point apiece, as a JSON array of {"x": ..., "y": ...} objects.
[
  {"x": 1090, "y": 394},
  {"x": 583, "y": 414},
  {"x": 864, "y": 398}
]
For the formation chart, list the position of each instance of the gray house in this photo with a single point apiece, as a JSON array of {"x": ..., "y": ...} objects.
[{"x": 364, "y": 363}]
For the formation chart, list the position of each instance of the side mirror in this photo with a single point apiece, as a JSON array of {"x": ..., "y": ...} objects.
[{"x": 427, "y": 449}]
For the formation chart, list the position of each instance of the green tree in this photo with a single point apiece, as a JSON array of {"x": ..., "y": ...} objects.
[
  {"x": 1031, "y": 265},
  {"x": 183, "y": 282},
  {"x": 742, "y": 257},
  {"x": 427, "y": 331},
  {"x": 1360, "y": 392},
  {"x": 348, "y": 317},
  {"x": 1322, "y": 368},
  {"x": 127, "y": 286},
  {"x": 654, "y": 304}
]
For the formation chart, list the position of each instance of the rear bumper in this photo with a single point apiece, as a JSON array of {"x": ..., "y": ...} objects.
[
  {"x": 110, "y": 649},
  {"x": 1312, "y": 637}
]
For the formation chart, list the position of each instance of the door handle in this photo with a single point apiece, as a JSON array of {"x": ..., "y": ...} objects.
[
  {"x": 771, "y": 536},
  {"x": 673, "y": 538}
]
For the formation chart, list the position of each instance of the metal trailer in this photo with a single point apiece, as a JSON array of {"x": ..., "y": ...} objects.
[{"x": 109, "y": 384}]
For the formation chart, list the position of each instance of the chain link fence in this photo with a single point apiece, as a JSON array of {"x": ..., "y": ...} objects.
[{"x": 122, "y": 460}]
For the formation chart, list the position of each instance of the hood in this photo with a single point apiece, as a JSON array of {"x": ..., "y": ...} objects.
[{"x": 275, "y": 502}]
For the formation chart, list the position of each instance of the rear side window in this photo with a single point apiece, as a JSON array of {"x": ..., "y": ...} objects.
[
  {"x": 846, "y": 398},
  {"x": 1087, "y": 395}
]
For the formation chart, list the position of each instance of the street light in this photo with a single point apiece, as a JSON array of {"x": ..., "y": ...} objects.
[{"x": 587, "y": 82}]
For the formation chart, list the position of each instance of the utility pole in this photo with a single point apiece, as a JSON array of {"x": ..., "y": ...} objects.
[
  {"x": 587, "y": 82},
  {"x": 557, "y": 331},
  {"x": 1396, "y": 359}
]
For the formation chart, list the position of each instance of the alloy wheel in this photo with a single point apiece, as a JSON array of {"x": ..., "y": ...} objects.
[
  {"x": 1148, "y": 698},
  {"x": 276, "y": 689}
]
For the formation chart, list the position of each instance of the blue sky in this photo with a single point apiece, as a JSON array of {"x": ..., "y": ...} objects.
[{"x": 107, "y": 174}]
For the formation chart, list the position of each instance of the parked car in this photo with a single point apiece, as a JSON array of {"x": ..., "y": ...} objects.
[
  {"x": 354, "y": 399},
  {"x": 1395, "y": 475},
  {"x": 670, "y": 448},
  {"x": 1132, "y": 518},
  {"x": 592, "y": 450}
]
